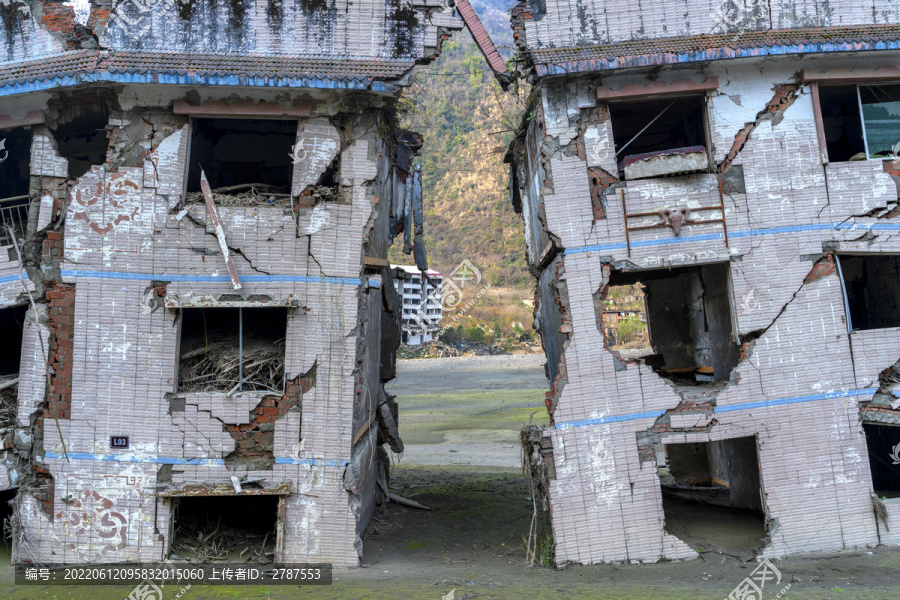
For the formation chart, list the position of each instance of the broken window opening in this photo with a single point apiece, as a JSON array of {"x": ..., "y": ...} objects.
[
  {"x": 871, "y": 290},
  {"x": 625, "y": 321},
  {"x": 232, "y": 350},
  {"x": 689, "y": 320},
  {"x": 655, "y": 138},
  {"x": 860, "y": 122},
  {"x": 240, "y": 528},
  {"x": 12, "y": 321},
  {"x": 82, "y": 138},
  {"x": 883, "y": 443},
  {"x": 247, "y": 161},
  {"x": 15, "y": 183},
  {"x": 328, "y": 186},
  {"x": 712, "y": 494}
]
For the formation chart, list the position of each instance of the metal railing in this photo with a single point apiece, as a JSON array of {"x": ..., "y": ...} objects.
[{"x": 13, "y": 214}]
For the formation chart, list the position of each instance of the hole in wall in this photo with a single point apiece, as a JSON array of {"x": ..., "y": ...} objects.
[
  {"x": 225, "y": 528},
  {"x": 232, "y": 349},
  {"x": 712, "y": 496},
  {"x": 11, "y": 323},
  {"x": 689, "y": 320},
  {"x": 881, "y": 441},
  {"x": 624, "y": 321},
  {"x": 872, "y": 290},
  {"x": 81, "y": 135},
  {"x": 254, "y": 154}
]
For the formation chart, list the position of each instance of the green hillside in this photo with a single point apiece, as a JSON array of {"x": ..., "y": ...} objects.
[{"x": 467, "y": 122}]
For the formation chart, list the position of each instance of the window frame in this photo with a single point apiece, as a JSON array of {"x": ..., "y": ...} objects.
[
  {"x": 845, "y": 297},
  {"x": 191, "y": 127},
  {"x": 179, "y": 310},
  {"x": 702, "y": 93},
  {"x": 815, "y": 86}
]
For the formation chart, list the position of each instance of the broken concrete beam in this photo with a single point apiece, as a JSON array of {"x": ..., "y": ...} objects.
[{"x": 220, "y": 232}]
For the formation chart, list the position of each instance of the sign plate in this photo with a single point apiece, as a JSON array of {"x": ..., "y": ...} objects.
[{"x": 118, "y": 441}]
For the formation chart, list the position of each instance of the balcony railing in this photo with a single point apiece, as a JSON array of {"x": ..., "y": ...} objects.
[{"x": 13, "y": 214}]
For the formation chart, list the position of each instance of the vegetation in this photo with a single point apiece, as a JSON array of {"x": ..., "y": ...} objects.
[{"x": 468, "y": 122}]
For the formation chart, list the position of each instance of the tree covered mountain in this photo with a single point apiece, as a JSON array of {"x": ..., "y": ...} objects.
[{"x": 467, "y": 122}]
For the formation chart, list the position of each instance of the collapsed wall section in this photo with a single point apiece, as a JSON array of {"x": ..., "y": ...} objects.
[
  {"x": 775, "y": 220},
  {"x": 183, "y": 349}
]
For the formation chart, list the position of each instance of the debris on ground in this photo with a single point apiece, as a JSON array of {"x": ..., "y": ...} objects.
[
  {"x": 256, "y": 194},
  {"x": 9, "y": 400},
  {"x": 438, "y": 349},
  {"x": 208, "y": 541}
]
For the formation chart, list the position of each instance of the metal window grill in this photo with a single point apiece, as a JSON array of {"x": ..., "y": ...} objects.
[{"x": 14, "y": 215}]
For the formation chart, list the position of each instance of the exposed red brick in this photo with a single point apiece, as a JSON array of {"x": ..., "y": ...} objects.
[
  {"x": 250, "y": 442},
  {"x": 823, "y": 268},
  {"x": 61, "y": 298},
  {"x": 784, "y": 97}
]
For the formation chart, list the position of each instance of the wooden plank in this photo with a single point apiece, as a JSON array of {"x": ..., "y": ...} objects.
[
  {"x": 655, "y": 89},
  {"x": 220, "y": 233},
  {"x": 364, "y": 428},
  {"x": 820, "y": 122},
  {"x": 371, "y": 261},
  {"x": 271, "y": 110},
  {"x": 859, "y": 74}
]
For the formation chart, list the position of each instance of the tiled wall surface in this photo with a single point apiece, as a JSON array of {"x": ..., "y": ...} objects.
[
  {"x": 798, "y": 388},
  {"x": 586, "y": 22},
  {"x": 114, "y": 354}
]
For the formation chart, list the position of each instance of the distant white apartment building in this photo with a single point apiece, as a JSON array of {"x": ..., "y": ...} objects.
[{"x": 422, "y": 309}]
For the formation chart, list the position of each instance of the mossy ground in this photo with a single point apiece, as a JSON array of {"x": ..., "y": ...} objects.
[{"x": 473, "y": 543}]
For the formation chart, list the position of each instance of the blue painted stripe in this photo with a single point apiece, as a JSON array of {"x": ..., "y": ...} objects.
[
  {"x": 311, "y": 461},
  {"x": 163, "y": 460},
  {"x": 549, "y": 66},
  {"x": 796, "y": 400},
  {"x": 216, "y": 278},
  {"x": 348, "y": 83},
  {"x": 738, "y": 234},
  {"x": 616, "y": 419},
  {"x": 8, "y": 278},
  {"x": 720, "y": 409}
]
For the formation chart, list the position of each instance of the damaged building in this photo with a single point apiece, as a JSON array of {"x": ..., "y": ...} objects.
[
  {"x": 735, "y": 162},
  {"x": 198, "y": 313}
]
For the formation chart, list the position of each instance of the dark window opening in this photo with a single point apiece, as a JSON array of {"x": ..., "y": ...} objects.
[
  {"x": 872, "y": 290},
  {"x": 11, "y": 328},
  {"x": 883, "y": 443},
  {"x": 689, "y": 320},
  {"x": 232, "y": 350},
  {"x": 712, "y": 495},
  {"x": 226, "y": 528},
  {"x": 860, "y": 121},
  {"x": 82, "y": 139},
  {"x": 328, "y": 186},
  {"x": 7, "y": 501},
  {"x": 15, "y": 183},
  {"x": 247, "y": 161},
  {"x": 671, "y": 127},
  {"x": 538, "y": 9}
]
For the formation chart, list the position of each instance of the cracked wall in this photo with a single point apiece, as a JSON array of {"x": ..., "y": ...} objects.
[
  {"x": 588, "y": 22},
  {"x": 279, "y": 27},
  {"x": 113, "y": 255},
  {"x": 803, "y": 384}
]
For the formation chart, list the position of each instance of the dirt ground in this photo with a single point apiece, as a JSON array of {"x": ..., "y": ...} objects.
[{"x": 473, "y": 544}]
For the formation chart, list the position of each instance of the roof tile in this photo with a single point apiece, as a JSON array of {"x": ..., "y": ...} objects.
[{"x": 551, "y": 61}]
